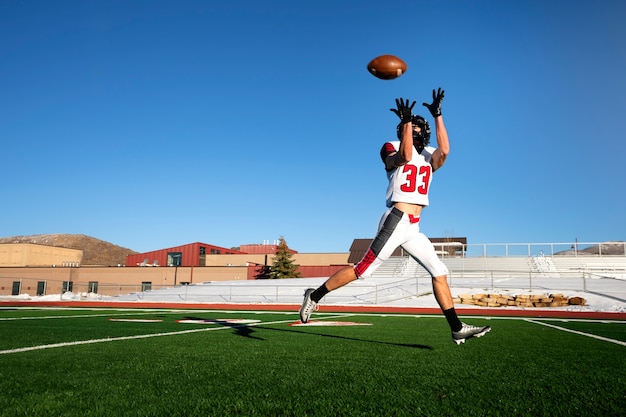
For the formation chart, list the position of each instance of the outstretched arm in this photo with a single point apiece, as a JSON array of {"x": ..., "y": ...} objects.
[
  {"x": 443, "y": 145},
  {"x": 405, "y": 153}
]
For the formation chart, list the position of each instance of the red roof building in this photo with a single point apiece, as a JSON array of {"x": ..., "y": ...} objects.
[
  {"x": 192, "y": 254},
  {"x": 262, "y": 248}
]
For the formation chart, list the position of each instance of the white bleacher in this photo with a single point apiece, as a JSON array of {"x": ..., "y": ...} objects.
[
  {"x": 544, "y": 266},
  {"x": 511, "y": 267},
  {"x": 393, "y": 267},
  {"x": 500, "y": 267},
  {"x": 608, "y": 266}
]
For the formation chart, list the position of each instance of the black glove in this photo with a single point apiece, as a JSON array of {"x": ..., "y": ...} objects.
[
  {"x": 435, "y": 107},
  {"x": 403, "y": 111}
]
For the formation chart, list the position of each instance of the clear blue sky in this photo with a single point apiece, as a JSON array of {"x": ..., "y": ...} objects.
[{"x": 151, "y": 124}]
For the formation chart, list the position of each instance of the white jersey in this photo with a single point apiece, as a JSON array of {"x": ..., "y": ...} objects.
[{"x": 410, "y": 182}]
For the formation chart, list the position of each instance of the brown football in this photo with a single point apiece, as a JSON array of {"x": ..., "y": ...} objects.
[{"x": 387, "y": 67}]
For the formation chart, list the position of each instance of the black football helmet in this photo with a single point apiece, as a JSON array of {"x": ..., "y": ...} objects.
[{"x": 423, "y": 135}]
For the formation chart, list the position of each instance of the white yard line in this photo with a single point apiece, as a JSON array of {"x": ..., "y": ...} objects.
[
  {"x": 141, "y": 336},
  {"x": 593, "y": 336},
  {"x": 324, "y": 316},
  {"x": 116, "y": 312},
  {"x": 77, "y": 316},
  {"x": 146, "y": 336}
]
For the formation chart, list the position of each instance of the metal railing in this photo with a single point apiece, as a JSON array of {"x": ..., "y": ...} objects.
[
  {"x": 493, "y": 267},
  {"x": 543, "y": 249},
  {"x": 381, "y": 291}
]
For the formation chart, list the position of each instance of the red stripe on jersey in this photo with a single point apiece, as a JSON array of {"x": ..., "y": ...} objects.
[
  {"x": 364, "y": 263},
  {"x": 386, "y": 150}
]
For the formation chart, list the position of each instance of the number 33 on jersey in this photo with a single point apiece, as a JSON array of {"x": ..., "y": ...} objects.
[{"x": 410, "y": 182}]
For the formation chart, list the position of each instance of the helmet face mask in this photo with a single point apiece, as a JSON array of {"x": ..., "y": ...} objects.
[{"x": 421, "y": 138}]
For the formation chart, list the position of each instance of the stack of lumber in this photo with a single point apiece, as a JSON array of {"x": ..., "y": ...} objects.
[{"x": 520, "y": 300}]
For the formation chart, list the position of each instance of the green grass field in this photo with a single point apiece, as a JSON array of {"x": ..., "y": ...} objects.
[{"x": 79, "y": 362}]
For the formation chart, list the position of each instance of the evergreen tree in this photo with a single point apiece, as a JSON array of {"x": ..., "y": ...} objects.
[{"x": 283, "y": 266}]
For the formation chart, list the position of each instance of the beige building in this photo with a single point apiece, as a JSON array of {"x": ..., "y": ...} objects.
[
  {"x": 44, "y": 270},
  {"x": 29, "y": 254}
]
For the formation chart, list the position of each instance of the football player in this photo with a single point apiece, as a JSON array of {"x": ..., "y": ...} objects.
[{"x": 409, "y": 164}]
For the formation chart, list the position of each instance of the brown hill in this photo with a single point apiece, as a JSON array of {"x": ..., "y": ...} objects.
[
  {"x": 95, "y": 251},
  {"x": 606, "y": 248},
  {"x": 617, "y": 247}
]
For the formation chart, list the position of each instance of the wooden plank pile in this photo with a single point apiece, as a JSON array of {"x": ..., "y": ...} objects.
[{"x": 520, "y": 300}]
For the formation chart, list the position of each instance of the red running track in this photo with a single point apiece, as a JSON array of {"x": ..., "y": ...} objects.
[{"x": 492, "y": 312}]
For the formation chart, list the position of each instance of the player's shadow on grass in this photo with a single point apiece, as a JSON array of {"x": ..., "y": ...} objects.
[
  {"x": 333, "y": 336},
  {"x": 238, "y": 328},
  {"x": 246, "y": 330}
]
